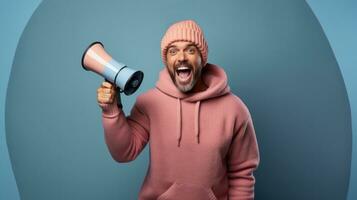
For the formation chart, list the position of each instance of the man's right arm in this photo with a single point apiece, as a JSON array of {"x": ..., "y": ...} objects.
[{"x": 125, "y": 136}]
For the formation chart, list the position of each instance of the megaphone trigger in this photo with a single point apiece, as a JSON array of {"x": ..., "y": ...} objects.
[{"x": 118, "y": 88}]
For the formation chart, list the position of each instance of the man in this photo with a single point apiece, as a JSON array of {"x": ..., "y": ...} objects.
[{"x": 202, "y": 140}]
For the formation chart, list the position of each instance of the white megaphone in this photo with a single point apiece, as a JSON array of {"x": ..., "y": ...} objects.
[{"x": 96, "y": 59}]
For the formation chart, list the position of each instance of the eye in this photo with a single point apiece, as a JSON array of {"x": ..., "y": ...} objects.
[
  {"x": 191, "y": 50},
  {"x": 172, "y": 51}
]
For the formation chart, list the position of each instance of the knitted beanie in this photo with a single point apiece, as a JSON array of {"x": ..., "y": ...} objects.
[{"x": 187, "y": 30}]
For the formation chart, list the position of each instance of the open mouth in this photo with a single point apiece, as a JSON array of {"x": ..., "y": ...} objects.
[{"x": 183, "y": 74}]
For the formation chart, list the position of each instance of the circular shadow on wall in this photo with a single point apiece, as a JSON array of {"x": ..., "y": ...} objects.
[{"x": 278, "y": 62}]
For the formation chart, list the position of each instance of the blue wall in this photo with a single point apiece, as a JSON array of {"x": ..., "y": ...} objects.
[
  {"x": 340, "y": 27},
  {"x": 280, "y": 63},
  {"x": 14, "y": 16}
]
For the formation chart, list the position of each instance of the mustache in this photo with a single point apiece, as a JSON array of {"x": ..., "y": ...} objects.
[{"x": 183, "y": 64}]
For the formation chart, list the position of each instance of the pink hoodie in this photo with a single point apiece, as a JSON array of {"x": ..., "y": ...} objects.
[{"x": 202, "y": 145}]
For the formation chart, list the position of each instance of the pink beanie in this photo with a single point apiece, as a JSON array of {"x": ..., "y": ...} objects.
[{"x": 187, "y": 30}]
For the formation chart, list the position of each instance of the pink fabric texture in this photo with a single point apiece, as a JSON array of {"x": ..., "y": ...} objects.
[
  {"x": 186, "y": 30},
  {"x": 202, "y": 145}
]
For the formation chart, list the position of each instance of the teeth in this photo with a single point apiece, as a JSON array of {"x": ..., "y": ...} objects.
[{"x": 183, "y": 68}]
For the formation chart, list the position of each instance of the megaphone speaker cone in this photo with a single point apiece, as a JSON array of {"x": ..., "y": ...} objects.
[{"x": 133, "y": 83}]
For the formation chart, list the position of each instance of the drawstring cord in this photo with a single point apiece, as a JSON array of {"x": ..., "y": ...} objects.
[
  {"x": 179, "y": 122},
  {"x": 197, "y": 121}
]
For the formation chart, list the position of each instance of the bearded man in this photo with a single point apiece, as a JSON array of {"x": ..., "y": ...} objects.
[{"x": 202, "y": 139}]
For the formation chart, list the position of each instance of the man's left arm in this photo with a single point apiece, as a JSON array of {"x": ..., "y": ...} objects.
[{"x": 243, "y": 159}]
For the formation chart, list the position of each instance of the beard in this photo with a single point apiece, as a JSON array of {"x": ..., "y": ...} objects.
[{"x": 195, "y": 76}]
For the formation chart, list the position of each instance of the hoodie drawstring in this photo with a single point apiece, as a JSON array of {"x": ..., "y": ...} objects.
[
  {"x": 178, "y": 121},
  {"x": 196, "y": 121}
]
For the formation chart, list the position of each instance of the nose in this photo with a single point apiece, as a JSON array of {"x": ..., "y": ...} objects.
[{"x": 181, "y": 56}]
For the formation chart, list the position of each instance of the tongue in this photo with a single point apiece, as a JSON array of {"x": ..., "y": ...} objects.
[{"x": 184, "y": 74}]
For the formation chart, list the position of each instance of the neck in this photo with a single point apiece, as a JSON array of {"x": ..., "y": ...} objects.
[{"x": 199, "y": 86}]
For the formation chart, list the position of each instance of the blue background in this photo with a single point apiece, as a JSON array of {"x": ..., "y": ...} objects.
[{"x": 302, "y": 84}]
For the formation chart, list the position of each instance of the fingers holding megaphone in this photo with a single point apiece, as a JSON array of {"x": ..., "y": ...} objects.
[
  {"x": 108, "y": 97},
  {"x": 106, "y": 93}
]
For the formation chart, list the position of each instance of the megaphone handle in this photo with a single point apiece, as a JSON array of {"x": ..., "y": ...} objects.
[{"x": 120, "y": 105}]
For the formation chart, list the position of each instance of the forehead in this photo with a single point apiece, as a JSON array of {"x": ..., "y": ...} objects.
[{"x": 181, "y": 44}]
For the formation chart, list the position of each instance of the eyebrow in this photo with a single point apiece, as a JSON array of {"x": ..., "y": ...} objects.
[{"x": 190, "y": 45}]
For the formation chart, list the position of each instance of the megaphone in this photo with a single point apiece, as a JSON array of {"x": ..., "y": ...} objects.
[{"x": 96, "y": 59}]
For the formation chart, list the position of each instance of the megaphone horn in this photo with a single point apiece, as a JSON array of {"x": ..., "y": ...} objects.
[{"x": 96, "y": 59}]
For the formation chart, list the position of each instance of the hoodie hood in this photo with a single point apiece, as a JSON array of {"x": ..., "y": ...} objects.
[{"x": 217, "y": 85}]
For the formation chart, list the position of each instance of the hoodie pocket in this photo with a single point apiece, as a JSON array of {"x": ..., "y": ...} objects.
[{"x": 187, "y": 191}]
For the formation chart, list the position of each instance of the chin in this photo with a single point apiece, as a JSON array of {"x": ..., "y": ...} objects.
[{"x": 186, "y": 88}]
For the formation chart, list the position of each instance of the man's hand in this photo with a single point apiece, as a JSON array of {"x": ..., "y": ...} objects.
[{"x": 107, "y": 95}]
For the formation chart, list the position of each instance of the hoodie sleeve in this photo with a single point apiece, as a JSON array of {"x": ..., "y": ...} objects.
[
  {"x": 243, "y": 159},
  {"x": 125, "y": 136}
]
